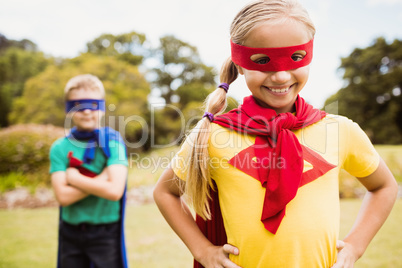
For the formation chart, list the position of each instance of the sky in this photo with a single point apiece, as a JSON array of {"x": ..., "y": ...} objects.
[{"x": 62, "y": 28}]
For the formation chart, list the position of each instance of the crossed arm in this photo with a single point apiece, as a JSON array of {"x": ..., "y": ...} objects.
[{"x": 70, "y": 186}]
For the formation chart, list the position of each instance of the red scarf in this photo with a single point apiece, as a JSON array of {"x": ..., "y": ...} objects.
[{"x": 274, "y": 138}]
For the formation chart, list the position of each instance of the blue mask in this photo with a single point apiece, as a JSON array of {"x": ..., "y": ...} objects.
[{"x": 81, "y": 105}]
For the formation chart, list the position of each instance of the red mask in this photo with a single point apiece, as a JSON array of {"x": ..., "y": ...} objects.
[{"x": 280, "y": 58}]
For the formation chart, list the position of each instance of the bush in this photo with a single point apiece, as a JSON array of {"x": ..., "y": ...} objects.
[
  {"x": 25, "y": 148},
  {"x": 12, "y": 180}
]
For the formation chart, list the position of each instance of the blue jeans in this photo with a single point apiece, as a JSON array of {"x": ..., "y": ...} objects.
[{"x": 83, "y": 244}]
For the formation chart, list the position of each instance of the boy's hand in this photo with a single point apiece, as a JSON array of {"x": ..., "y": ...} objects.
[
  {"x": 218, "y": 256},
  {"x": 346, "y": 257}
]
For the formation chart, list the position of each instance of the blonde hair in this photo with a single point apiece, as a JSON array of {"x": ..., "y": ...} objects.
[
  {"x": 84, "y": 81},
  {"x": 198, "y": 181}
]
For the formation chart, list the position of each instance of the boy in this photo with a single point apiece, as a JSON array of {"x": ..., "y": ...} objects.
[{"x": 88, "y": 171}]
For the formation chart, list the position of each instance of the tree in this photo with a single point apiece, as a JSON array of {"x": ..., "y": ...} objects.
[
  {"x": 180, "y": 66},
  {"x": 126, "y": 94},
  {"x": 19, "y": 60},
  {"x": 183, "y": 81},
  {"x": 372, "y": 96},
  {"x": 128, "y": 47},
  {"x": 23, "y": 44}
]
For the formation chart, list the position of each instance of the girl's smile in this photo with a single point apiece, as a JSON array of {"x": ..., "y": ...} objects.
[{"x": 279, "y": 90}]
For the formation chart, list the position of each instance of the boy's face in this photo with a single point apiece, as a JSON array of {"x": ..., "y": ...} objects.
[{"x": 86, "y": 120}]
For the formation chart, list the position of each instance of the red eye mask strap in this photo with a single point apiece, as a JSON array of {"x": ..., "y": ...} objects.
[{"x": 280, "y": 58}]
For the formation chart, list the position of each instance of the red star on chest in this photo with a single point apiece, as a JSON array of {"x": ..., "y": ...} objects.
[{"x": 245, "y": 161}]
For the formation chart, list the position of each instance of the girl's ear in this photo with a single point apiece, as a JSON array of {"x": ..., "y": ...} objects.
[{"x": 239, "y": 69}]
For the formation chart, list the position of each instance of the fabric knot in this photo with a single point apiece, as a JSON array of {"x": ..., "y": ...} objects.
[{"x": 287, "y": 121}]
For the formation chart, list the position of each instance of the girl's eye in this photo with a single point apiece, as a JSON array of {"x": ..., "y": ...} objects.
[
  {"x": 298, "y": 55},
  {"x": 264, "y": 60},
  {"x": 260, "y": 58},
  {"x": 94, "y": 105}
]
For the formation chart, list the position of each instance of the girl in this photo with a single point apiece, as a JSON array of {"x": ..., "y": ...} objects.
[{"x": 274, "y": 161}]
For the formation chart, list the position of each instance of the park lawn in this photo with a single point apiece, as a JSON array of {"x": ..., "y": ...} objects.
[
  {"x": 385, "y": 250},
  {"x": 146, "y": 168},
  {"x": 392, "y": 155},
  {"x": 28, "y": 238}
]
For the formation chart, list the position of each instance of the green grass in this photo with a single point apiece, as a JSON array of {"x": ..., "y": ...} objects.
[
  {"x": 151, "y": 242},
  {"x": 385, "y": 250},
  {"x": 29, "y": 238},
  {"x": 392, "y": 155},
  {"x": 145, "y": 169}
]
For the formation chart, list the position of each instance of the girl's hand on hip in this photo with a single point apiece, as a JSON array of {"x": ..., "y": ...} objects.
[
  {"x": 346, "y": 256},
  {"x": 218, "y": 257}
]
